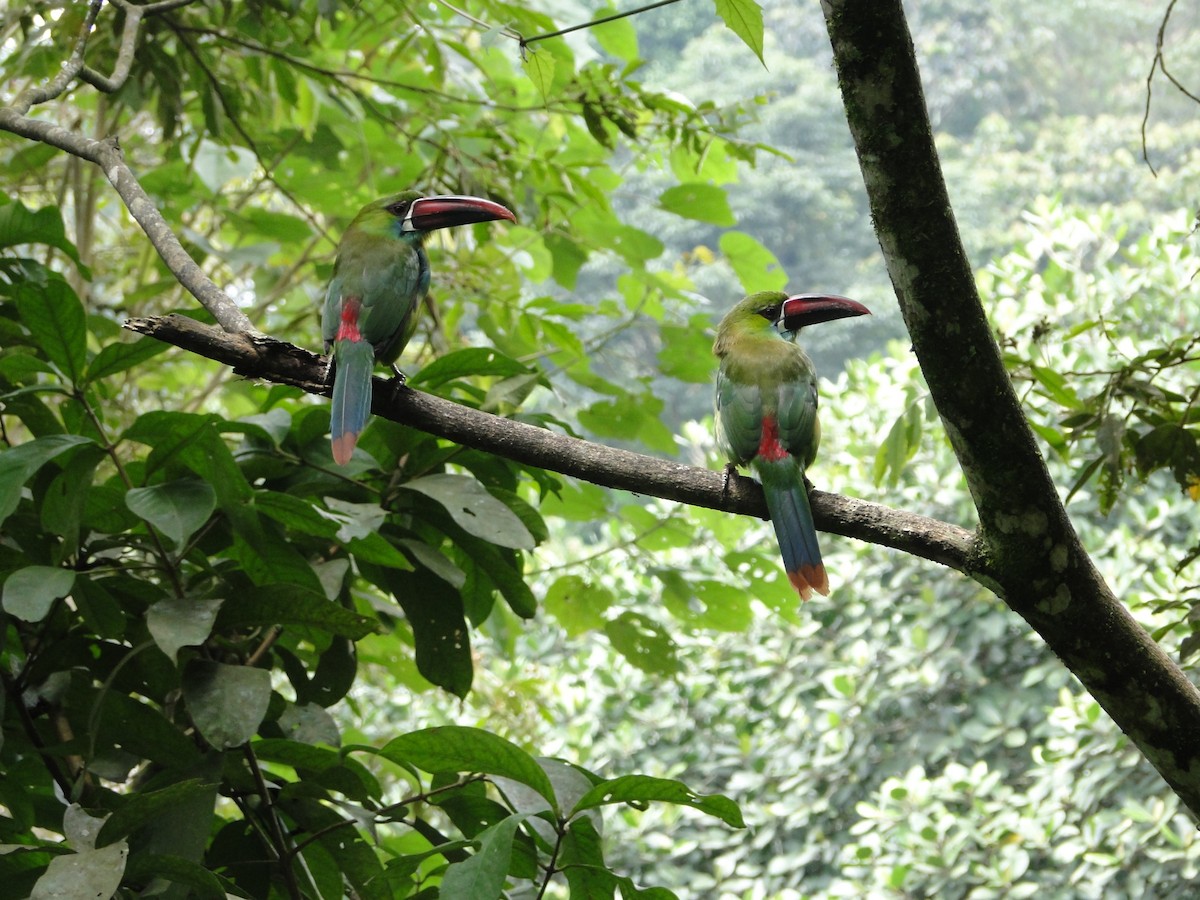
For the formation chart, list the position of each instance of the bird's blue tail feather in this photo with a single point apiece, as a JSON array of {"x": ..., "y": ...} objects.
[
  {"x": 787, "y": 501},
  {"x": 354, "y": 361}
]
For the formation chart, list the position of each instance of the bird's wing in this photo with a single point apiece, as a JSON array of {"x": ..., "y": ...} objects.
[
  {"x": 391, "y": 292},
  {"x": 796, "y": 413},
  {"x": 331, "y": 311},
  {"x": 739, "y": 415}
]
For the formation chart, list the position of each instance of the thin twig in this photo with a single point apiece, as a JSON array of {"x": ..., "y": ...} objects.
[
  {"x": 525, "y": 42},
  {"x": 32, "y": 96},
  {"x": 111, "y": 83}
]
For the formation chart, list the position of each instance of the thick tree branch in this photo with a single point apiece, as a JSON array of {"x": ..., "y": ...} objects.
[
  {"x": 1029, "y": 549},
  {"x": 256, "y": 356}
]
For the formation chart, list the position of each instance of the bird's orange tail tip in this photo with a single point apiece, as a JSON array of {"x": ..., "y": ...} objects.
[
  {"x": 809, "y": 578},
  {"x": 343, "y": 447}
]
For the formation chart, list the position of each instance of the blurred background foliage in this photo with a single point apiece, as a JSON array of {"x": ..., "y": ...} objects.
[{"x": 907, "y": 737}]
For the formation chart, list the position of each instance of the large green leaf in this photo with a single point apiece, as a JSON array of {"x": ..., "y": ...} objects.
[
  {"x": 227, "y": 703},
  {"x": 176, "y": 508},
  {"x": 578, "y": 604},
  {"x": 143, "y": 808},
  {"x": 756, "y": 267},
  {"x": 474, "y": 510},
  {"x": 20, "y": 225},
  {"x": 463, "y": 363},
  {"x": 456, "y": 749},
  {"x": 55, "y": 318},
  {"x": 644, "y": 643},
  {"x": 121, "y": 355},
  {"x": 292, "y": 605},
  {"x": 29, "y": 592},
  {"x": 441, "y": 637},
  {"x": 745, "y": 19},
  {"x": 186, "y": 622},
  {"x": 695, "y": 200},
  {"x": 646, "y": 789},
  {"x": 617, "y": 38},
  {"x": 483, "y": 875}
]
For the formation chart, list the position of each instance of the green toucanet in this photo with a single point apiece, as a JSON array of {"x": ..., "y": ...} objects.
[
  {"x": 766, "y": 413},
  {"x": 380, "y": 278}
]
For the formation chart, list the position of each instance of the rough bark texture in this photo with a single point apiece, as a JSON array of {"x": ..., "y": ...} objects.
[
  {"x": 1028, "y": 550},
  {"x": 256, "y": 356}
]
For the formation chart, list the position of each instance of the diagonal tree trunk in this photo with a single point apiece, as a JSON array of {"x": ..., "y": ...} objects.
[{"x": 1026, "y": 549}]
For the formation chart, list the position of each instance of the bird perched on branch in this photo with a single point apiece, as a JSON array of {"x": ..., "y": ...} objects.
[
  {"x": 766, "y": 413},
  {"x": 380, "y": 277}
]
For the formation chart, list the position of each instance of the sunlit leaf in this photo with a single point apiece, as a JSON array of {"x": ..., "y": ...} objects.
[
  {"x": 755, "y": 266},
  {"x": 695, "y": 200},
  {"x": 645, "y": 789},
  {"x": 745, "y": 19},
  {"x": 458, "y": 749},
  {"x": 474, "y": 510}
]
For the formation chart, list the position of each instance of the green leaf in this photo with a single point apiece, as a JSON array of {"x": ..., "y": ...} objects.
[
  {"x": 296, "y": 513},
  {"x": 617, "y": 38},
  {"x": 646, "y": 789},
  {"x": 462, "y": 363},
  {"x": 144, "y": 807},
  {"x": 483, "y": 875},
  {"x": 745, "y": 19},
  {"x": 434, "y": 611},
  {"x": 577, "y": 604},
  {"x": 178, "y": 623},
  {"x": 539, "y": 66},
  {"x": 755, "y": 266},
  {"x": 310, "y": 724},
  {"x": 474, "y": 510},
  {"x": 457, "y": 749},
  {"x": 20, "y": 225},
  {"x": 435, "y": 562},
  {"x": 121, "y": 355},
  {"x": 176, "y": 508},
  {"x": 901, "y": 444},
  {"x": 30, "y": 592},
  {"x": 90, "y": 873},
  {"x": 143, "y": 730},
  {"x": 66, "y": 497},
  {"x": 226, "y": 703},
  {"x": 644, "y": 643},
  {"x": 702, "y": 202},
  {"x": 194, "y": 441},
  {"x": 686, "y": 353},
  {"x": 200, "y": 883},
  {"x": 292, "y": 605},
  {"x": 55, "y": 318},
  {"x": 501, "y": 568}
]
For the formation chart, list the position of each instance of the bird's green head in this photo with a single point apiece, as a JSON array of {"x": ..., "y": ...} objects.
[{"x": 411, "y": 213}]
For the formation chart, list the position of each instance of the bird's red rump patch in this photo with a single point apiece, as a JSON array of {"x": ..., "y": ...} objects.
[
  {"x": 348, "y": 329},
  {"x": 769, "y": 447}
]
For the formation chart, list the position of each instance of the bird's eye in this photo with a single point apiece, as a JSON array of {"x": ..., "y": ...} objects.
[
  {"x": 399, "y": 209},
  {"x": 770, "y": 313}
]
